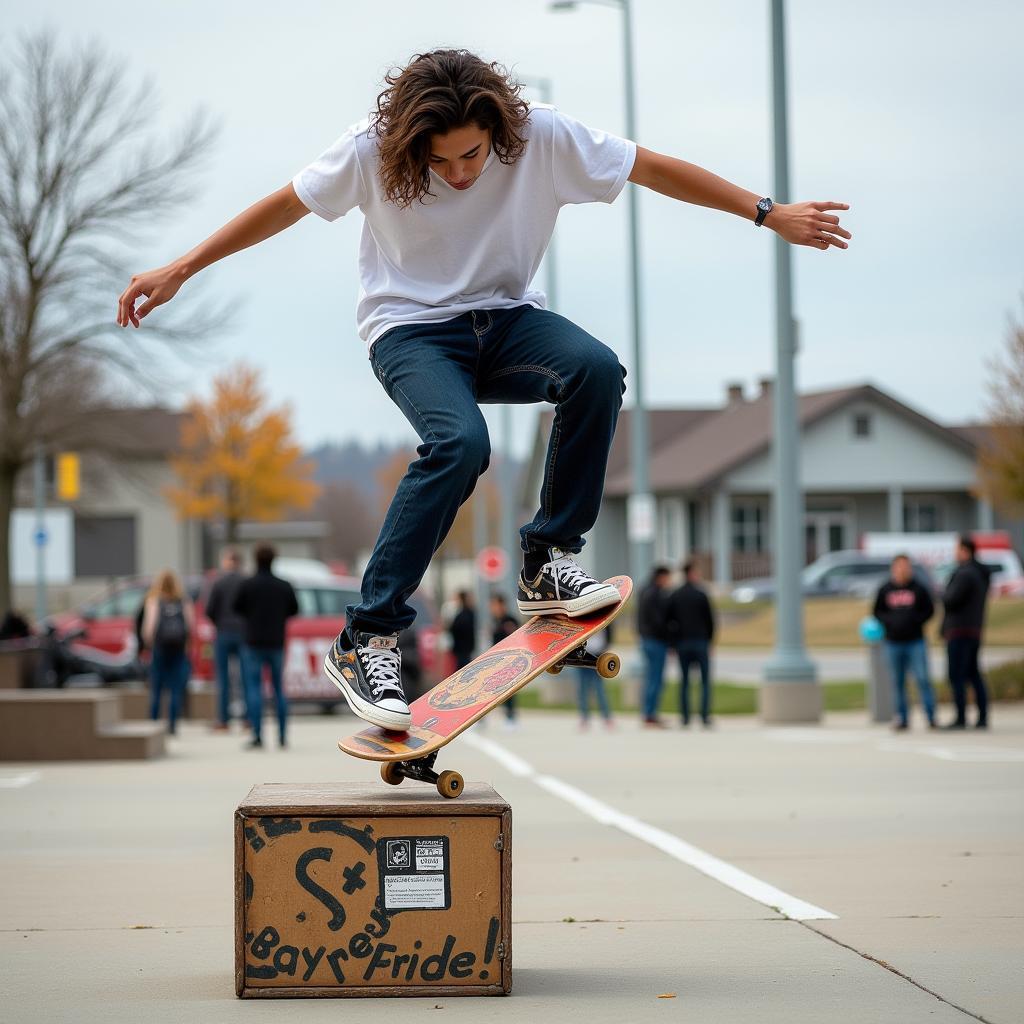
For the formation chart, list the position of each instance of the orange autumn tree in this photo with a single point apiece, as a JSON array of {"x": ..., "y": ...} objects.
[{"x": 238, "y": 460}]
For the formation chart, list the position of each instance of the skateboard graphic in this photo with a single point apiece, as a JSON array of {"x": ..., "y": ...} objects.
[{"x": 546, "y": 643}]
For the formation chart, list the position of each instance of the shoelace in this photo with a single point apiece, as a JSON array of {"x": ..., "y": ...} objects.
[
  {"x": 383, "y": 669},
  {"x": 565, "y": 570}
]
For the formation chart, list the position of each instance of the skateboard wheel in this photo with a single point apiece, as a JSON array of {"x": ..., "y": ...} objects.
[
  {"x": 608, "y": 665},
  {"x": 556, "y": 668},
  {"x": 391, "y": 773},
  {"x": 449, "y": 784}
]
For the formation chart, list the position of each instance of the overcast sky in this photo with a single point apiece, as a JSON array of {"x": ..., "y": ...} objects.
[{"x": 909, "y": 111}]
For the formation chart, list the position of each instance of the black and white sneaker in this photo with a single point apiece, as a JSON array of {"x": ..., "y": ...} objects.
[
  {"x": 561, "y": 586},
  {"x": 370, "y": 676}
]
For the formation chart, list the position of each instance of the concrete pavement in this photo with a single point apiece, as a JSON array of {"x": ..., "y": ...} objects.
[{"x": 631, "y": 853}]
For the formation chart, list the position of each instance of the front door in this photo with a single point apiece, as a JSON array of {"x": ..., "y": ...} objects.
[{"x": 825, "y": 531}]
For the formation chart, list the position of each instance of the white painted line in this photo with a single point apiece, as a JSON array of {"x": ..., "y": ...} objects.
[
  {"x": 706, "y": 863},
  {"x": 19, "y": 780},
  {"x": 971, "y": 755}
]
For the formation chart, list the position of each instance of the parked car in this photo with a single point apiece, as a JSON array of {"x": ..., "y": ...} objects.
[
  {"x": 837, "y": 574},
  {"x": 107, "y": 625}
]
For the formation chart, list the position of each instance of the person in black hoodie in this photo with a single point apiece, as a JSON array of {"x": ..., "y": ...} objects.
[
  {"x": 230, "y": 628},
  {"x": 652, "y": 626},
  {"x": 463, "y": 630},
  {"x": 265, "y": 602},
  {"x": 903, "y": 606},
  {"x": 964, "y": 601},
  {"x": 691, "y": 628}
]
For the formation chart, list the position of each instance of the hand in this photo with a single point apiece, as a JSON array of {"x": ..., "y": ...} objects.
[
  {"x": 808, "y": 224},
  {"x": 158, "y": 286}
]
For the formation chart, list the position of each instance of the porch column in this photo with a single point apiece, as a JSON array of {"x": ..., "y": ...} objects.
[
  {"x": 720, "y": 539},
  {"x": 985, "y": 517},
  {"x": 684, "y": 527},
  {"x": 895, "y": 509}
]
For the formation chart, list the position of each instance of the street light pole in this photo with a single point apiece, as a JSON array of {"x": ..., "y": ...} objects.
[
  {"x": 640, "y": 504},
  {"x": 790, "y": 692}
]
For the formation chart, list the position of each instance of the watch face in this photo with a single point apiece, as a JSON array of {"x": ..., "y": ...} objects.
[{"x": 765, "y": 204}]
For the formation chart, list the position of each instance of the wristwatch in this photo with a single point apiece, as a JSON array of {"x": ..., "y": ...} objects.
[{"x": 764, "y": 207}]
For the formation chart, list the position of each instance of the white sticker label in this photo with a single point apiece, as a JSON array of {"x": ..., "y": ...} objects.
[
  {"x": 429, "y": 857},
  {"x": 409, "y": 891}
]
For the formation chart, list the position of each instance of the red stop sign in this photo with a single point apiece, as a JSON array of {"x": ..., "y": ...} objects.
[{"x": 492, "y": 564}]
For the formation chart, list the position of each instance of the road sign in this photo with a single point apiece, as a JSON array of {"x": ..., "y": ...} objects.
[
  {"x": 40, "y": 537},
  {"x": 492, "y": 564},
  {"x": 68, "y": 476}
]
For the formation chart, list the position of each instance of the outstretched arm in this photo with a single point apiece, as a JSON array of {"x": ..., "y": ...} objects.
[
  {"x": 798, "y": 223},
  {"x": 279, "y": 210}
]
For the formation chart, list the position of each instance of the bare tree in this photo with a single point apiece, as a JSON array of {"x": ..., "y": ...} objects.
[
  {"x": 1001, "y": 462},
  {"x": 349, "y": 516},
  {"x": 80, "y": 178}
]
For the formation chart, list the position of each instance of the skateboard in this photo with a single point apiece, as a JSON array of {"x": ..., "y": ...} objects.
[{"x": 546, "y": 643}]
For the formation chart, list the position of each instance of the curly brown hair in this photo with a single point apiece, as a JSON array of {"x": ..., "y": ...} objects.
[{"x": 434, "y": 94}]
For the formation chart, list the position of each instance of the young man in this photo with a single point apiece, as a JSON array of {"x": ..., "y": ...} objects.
[
  {"x": 962, "y": 625},
  {"x": 460, "y": 182},
  {"x": 903, "y": 606},
  {"x": 652, "y": 625},
  {"x": 691, "y": 628}
]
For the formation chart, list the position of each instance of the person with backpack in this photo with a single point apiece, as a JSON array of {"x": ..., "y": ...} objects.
[
  {"x": 460, "y": 182},
  {"x": 168, "y": 620}
]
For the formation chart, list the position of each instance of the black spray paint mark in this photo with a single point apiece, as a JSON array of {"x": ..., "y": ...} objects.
[
  {"x": 333, "y": 959},
  {"x": 492, "y": 938},
  {"x": 328, "y": 899},
  {"x": 260, "y": 972},
  {"x": 248, "y": 887},
  {"x": 275, "y": 827},
  {"x": 300, "y": 916},
  {"x": 354, "y": 878},
  {"x": 255, "y": 839},
  {"x": 265, "y": 942},
  {"x": 312, "y": 959},
  {"x": 339, "y": 828}
]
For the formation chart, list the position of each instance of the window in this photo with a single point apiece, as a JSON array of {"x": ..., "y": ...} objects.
[
  {"x": 105, "y": 546},
  {"x": 749, "y": 528},
  {"x": 861, "y": 424},
  {"x": 922, "y": 516},
  {"x": 332, "y": 601}
]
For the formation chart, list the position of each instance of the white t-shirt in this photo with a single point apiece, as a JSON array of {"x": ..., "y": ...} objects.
[{"x": 478, "y": 248}]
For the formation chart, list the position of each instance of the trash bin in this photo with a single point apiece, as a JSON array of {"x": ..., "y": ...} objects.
[{"x": 879, "y": 678}]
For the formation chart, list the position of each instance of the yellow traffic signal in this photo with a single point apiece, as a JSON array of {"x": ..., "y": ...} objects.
[{"x": 68, "y": 476}]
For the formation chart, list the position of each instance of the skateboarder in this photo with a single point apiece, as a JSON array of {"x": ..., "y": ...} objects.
[{"x": 460, "y": 182}]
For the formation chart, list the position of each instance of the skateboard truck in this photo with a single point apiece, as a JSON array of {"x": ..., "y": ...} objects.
[
  {"x": 606, "y": 665},
  {"x": 449, "y": 784}
]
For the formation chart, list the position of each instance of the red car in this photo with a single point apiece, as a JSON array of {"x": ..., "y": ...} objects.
[{"x": 108, "y": 625}]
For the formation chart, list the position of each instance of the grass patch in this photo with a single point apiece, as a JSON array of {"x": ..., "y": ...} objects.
[
  {"x": 834, "y": 622},
  {"x": 727, "y": 699}
]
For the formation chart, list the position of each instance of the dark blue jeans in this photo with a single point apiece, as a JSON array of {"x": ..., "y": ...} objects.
[
  {"x": 694, "y": 652},
  {"x": 253, "y": 660},
  {"x": 227, "y": 646},
  {"x": 654, "y": 651},
  {"x": 962, "y": 652},
  {"x": 438, "y": 375},
  {"x": 913, "y": 656},
  {"x": 168, "y": 670}
]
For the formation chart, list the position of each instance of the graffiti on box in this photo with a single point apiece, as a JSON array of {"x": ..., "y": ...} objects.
[{"x": 412, "y": 874}]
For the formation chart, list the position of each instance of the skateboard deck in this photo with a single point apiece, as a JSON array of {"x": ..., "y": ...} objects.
[{"x": 454, "y": 704}]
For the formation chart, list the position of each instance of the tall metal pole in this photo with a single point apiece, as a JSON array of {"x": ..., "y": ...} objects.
[
  {"x": 790, "y": 693},
  {"x": 640, "y": 513},
  {"x": 39, "y": 479}
]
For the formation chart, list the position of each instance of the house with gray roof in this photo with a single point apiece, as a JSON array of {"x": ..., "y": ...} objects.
[{"x": 868, "y": 462}]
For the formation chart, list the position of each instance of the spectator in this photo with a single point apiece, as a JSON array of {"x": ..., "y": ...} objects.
[
  {"x": 587, "y": 679},
  {"x": 964, "y": 602},
  {"x": 14, "y": 626},
  {"x": 230, "y": 626},
  {"x": 167, "y": 623},
  {"x": 265, "y": 602},
  {"x": 503, "y": 624},
  {"x": 903, "y": 606},
  {"x": 652, "y": 626},
  {"x": 463, "y": 631},
  {"x": 691, "y": 628}
]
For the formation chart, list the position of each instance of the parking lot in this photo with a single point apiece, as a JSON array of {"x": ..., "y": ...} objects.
[{"x": 738, "y": 874}]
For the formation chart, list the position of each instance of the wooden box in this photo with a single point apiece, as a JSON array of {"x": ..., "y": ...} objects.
[{"x": 361, "y": 890}]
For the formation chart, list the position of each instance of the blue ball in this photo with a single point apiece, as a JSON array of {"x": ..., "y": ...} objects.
[{"x": 871, "y": 631}]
